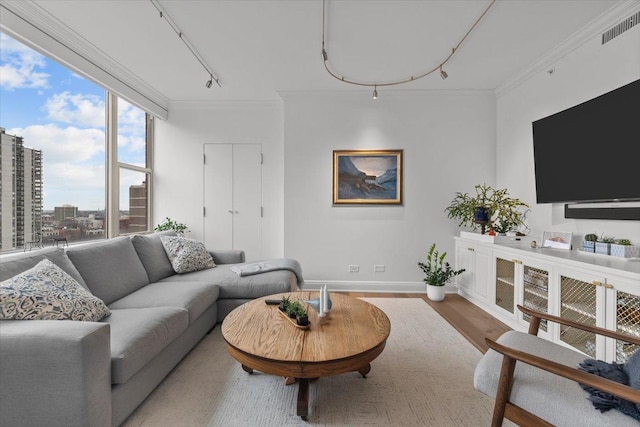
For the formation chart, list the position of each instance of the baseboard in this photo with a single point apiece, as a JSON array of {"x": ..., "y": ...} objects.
[{"x": 383, "y": 287}]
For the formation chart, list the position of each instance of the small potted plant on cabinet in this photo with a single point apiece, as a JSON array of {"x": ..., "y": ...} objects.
[
  {"x": 624, "y": 249},
  {"x": 437, "y": 273},
  {"x": 589, "y": 242},
  {"x": 603, "y": 245},
  {"x": 492, "y": 208}
]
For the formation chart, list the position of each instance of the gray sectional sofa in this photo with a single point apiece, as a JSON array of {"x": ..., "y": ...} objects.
[{"x": 72, "y": 373}]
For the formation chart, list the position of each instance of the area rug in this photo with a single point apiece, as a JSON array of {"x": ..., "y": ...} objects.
[{"x": 424, "y": 377}]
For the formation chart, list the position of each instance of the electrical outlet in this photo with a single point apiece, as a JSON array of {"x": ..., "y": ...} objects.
[
  {"x": 354, "y": 268},
  {"x": 378, "y": 268}
]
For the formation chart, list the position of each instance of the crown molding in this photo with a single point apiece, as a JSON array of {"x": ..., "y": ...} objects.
[
  {"x": 386, "y": 93},
  {"x": 608, "y": 19},
  {"x": 41, "y": 20},
  {"x": 226, "y": 105}
]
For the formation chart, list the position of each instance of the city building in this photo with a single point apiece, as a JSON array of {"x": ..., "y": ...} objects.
[
  {"x": 20, "y": 192},
  {"x": 138, "y": 208},
  {"x": 60, "y": 213}
]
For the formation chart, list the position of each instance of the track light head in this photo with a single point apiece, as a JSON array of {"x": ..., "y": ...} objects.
[
  {"x": 443, "y": 74},
  {"x": 209, "y": 83},
  {"x": 375, "y": 92}
]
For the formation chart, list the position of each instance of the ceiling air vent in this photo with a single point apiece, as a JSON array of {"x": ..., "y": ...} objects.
[{"x": 623, "y": 26}]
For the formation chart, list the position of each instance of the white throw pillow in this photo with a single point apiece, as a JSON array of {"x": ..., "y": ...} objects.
[
  {"x": 46, "y": 292},
  {"x": 186, "y": 255}
]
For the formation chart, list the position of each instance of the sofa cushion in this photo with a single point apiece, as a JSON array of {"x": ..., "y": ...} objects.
[
  {"x": 186, "y": 255},
  {"x": 14, "y": 264},
  {"x": 111, "y": 268},
  {"x": 555, "y": 399},
  {"x": 140, "y": 334},
  {"x": 195, "y": 297},
  {"x": 153, "y": 256},
  {"x": 233, "y": 286},
  {"x": 46, "y": 292}
]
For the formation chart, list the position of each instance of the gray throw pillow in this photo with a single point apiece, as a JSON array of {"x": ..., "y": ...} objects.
[
  {"x": 46, "y": 292},
  {"x": 186, "y": 255}
]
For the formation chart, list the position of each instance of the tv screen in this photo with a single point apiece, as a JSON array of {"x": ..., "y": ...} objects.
[{"x": 590, "y": 152}]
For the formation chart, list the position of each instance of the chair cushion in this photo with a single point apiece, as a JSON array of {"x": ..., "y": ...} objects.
[
  {"x": 140, "y": 334},
  {"x": 233, "y": 286},
  {"x": 14, "y": 264},
  {"x": 186, "y": 255},
  {"x": 195, "y": 297},
  {"x": 560, "y": 401},
  {"x": 110, "y": 268},
  {"x": 46, "y": 292},
  {"x": 153, "y": 256}
]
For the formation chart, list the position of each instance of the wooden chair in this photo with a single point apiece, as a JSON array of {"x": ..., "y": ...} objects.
[{"x": 504, "y": 408}]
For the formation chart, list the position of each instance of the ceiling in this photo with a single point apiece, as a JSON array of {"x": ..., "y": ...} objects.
[{"x": 259, "y": 48}]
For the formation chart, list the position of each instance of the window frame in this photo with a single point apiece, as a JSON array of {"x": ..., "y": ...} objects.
[{"x": 114, "y": 166}]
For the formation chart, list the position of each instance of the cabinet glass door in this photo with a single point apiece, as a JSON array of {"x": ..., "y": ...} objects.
[
  {"x": 627, "y": 322},
  {"x": 505, "y": 276},
  {"x": 536, "y": 292},
  {"x": 578, "y": 303}
]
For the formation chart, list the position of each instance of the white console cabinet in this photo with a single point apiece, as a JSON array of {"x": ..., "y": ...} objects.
[{"x": 583, "y": 287}]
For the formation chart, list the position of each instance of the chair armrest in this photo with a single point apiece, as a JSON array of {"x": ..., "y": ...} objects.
[
  {"x": 55, "y": 372},
  {"x": 227, "y": 256},
  {"x": 537, "y": 315},
  {"x": 600, "y": 383}
]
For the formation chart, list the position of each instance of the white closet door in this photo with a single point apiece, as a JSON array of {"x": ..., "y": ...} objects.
[
  {"x": 233, "y": 198},
  {"x": 218, "y": 196},
  {"x": 247, "y": 200}
]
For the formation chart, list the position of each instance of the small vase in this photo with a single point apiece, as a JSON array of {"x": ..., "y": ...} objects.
[{"x": 435, "y": 293}]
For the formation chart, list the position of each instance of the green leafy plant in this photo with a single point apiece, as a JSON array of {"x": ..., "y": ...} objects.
[
  {"x": 437, "y": 271},
  {"x": 591, "y": 237},
  {"x": 292, "y": 308},
  {"x": 170, "y": 224},
  {"x": 625, "y": 242},
  {"x": 607, "y": 239},
  {"x": 504, "y": 211}
]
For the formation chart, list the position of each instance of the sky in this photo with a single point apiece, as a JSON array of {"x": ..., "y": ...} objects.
[{"x": 61, "y": 113}]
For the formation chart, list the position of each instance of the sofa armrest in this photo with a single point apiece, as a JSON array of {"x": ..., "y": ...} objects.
[
  {"x": 227, "y": 256},
  {"x": 55, "y": 373}
]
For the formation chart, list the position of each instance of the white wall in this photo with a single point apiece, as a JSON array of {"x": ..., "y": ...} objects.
[
  {"x": 178, "y": 177},
  {"x": 449, "y": 145},
  {"x": 585, "y": 72}
]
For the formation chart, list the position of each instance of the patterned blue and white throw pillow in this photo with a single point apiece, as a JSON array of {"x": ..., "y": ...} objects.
[
  {"x": 46, "y": 292},
  {"x": 186, "y": 255}
]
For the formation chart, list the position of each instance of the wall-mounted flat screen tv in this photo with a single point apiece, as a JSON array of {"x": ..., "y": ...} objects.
[{"x": 590, "y": 152}]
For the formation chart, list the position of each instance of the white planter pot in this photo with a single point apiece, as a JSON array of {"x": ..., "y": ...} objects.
[{"x": 435, "y": 293}]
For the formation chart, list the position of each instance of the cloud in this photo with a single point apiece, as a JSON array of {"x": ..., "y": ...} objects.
[
  {"x": 79, "y": 109},
  {"x": 63, "y": 145},
  {"x": 19, "y": 64}
]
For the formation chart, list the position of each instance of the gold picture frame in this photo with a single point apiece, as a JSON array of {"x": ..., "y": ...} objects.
[{"x": 367, "y": 177}]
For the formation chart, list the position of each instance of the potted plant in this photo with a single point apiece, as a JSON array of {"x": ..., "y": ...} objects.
[
  {"x": 589, "y": 242},
  {"x": 170, "y": 224},
  {"x": 624, "y": 249},
  {"x": 295, "y": 310},
  {"x": 603, "y": 245},
  {"x": 490, "y": 207},
  {"x": 437, "y": 273}
]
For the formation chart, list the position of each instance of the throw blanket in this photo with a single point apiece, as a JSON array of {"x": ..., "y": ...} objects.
[
  {"x": 258, "y": 267},
  {"x": 627, "y": 374}
]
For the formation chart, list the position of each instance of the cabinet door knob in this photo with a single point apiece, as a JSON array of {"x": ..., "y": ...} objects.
[
  {"x": 470, "y": 249},
  {"x": 607, "y": 285},
  {"x": 230, "y": 211},
  {"x": 597, "y": 283}
]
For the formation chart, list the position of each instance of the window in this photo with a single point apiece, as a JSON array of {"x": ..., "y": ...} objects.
[{"x": 63, "y": 174}]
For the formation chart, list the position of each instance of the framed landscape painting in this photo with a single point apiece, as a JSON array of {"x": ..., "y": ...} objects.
[{"x": 367, "y": 177}]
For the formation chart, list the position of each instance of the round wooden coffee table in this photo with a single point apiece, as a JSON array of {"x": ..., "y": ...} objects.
[{"x": 260, "y": 338}]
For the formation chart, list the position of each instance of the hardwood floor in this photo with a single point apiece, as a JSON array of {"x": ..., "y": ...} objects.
[{"x": 472, "y": 322}]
